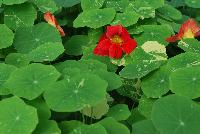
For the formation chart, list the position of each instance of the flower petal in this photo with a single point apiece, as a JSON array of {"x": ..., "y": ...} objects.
[
  {"x": 125, "y": 35},
  {"x": 102, "y": 48},
  {"x": 49, "y": 17},
  {"x": 129, "y": 46},
  {"x": 103, "y": 37},
  {"x": 115, "y": 51},
  {"x": 173, "y": 38},
  {"x": 113, "y": 30}
]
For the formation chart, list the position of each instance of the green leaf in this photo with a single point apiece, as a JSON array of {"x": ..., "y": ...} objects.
[
  {"x": 96, "y": 111},
  {"x": 185, "y": 82},
  {"x": 157, "y": 84},
  {"x": 177, "y": 3},
  {"x": 67, "y": 3},
  {"x": 144, "y": 127},
  {"x": 90, "y": 129},
  {"x": 47, "y": 127},
  {"x": 95, "y": 18},
  {"x": 70, "y": 95},
  {"x": 17, "y": 59},
  {"x": 5, "y": 71},
  {"x": 16, "y": 117},
  {"x": 46, "y": 5},
  {"x": 118, "y": 5},
  {"x": 183, "y": 60},
  {"x": 68, "y": 126},
  {"x": 29, "y": 38},
  {"x": 154, "y": 3},
  {"x": 145, "y": 106},
  {"x": 12, "y": 2},
  {"x": 144, "y": 9},
  {"x": 91, "y": 4},
  {"x": 193, "y": 3},
  {"x": 169, "y": 11},
  {"x": 19, "y": 15},
  {"x": 126, "y": 19},
  {"x": 136, "y": 116},
  {"x": 119, "y": 112},
  {"x": 75, "y": 44},
  {"x": 6, "y": 36},
  {"x": 154, "y": 33},
  {"x": 190, "y": 45},
  {"x": 177, "y": 115},
  {"x": 31, "y": 81},
  {"x": 43, "y": 110},
  {"x": 114, "y": 127},
  {"x": 46, "y": 52}
]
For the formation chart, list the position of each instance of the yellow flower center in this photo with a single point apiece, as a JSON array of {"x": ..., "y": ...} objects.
[
  {"x": 116, "y": 39},
  {"x": 188, "y": 34}
]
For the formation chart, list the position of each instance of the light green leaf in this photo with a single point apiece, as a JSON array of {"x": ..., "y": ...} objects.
[
  {"x": 70, "y": 95},
  {"x": 126, "y": 19},
  {"x": 19, "y": 15},
  {"x": 193, "y": 3},
  {"x": 31, "y": 81},
  {"x": 12, "y": 2},
  {"x": 67, "y": 3},
  {"x": 29, "y": 38},
  {"x": 47, "y": 127},
  {"x": 118, "y": 5},
  {"x": 46, "y": 52},
  {"x": 95, "y": 18},
  {"x": 190, "y": 45},
  {"x": 91, "y": 4},
  {"x": 46, "y": 5},
  {"x": 16, "y": 117},
  {"x": 6, "y": 36},
  {"x": 119, "y": 112},
  {"x": 17, "y": 59},
  {"x": 185, "y": 82},
  {"x": 154, "y": 3},
  {"x": 177, "y": 115}
]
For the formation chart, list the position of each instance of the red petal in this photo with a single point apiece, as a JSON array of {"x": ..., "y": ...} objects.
[
  {"x": 125, "y": 35},
  {"x": 49, "y": 17},
  {"x": 113, "y": 30},
  {"x": 173, "y": 38},
  {"x": 129, "y": 46},
  {"x": 103, "y": 37},
  {"x": 115, "y": 51},
  {"x": 102, "y": 48}
]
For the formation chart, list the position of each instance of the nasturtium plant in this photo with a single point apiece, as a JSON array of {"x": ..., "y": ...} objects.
[{"x": 99, "y": 66}]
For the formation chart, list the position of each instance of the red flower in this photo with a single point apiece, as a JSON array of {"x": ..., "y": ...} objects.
[
  {"x": 49, "y": 17},
  {"x": 189, "y": 29},
  {"x": 114, "y": 42}
]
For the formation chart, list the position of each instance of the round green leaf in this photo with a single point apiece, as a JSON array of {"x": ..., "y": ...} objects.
[
  {"x": 90, "y": 129},
  {"x": 19, "y": 15},
  {"x": 73, "y": 94},
  {"x": 68, "y": 126},
  {"x": 12, "y": 2},
  {"x": 118, "y": 5},
  {"x": 170, "y": 12},
  {"x": 46, "y": 52},
  {"x": 75, "y": 44},
  {"x": 5, "y": 71},
  {"x": 190, "y": 45},
  {"x": 154, "y": 3},
  {"x": 177, "y": 115},
  {"x": 29, "y": 38},
  {"x": 119, "y": 112},
  {"x": 30, "y": 81},
  {"x": 95, "y": 18},
  {"x": 67, "y": 3},
  {"x": 91, "y": 4},
  {"x": 185, "y": 82},
  {"x": 16, "y": 117},
  {"x": 46, "y": 5},
  {"x": 47, "y": 127},
  {"x": 6, "y": 36},
  {"x": 126, "y": 19},
  {"x": 144, "y": 127},
  {"x": 193, "y": 3},
  {"x": 17, "y": 59},
  {"x": 157, "y": 84},
  {"x": 114, "y": 127}
]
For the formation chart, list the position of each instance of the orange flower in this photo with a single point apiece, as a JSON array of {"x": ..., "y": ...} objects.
[
  {"x": 189, "y": 29},
  {"x": 49, "y": 17}
]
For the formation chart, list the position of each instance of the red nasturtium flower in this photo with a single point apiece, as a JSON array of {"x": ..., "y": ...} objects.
[
  {"x": 49, "y": 17},
  {"x": 114, "y": 42},
  {"x": 189, "y": 29}
]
